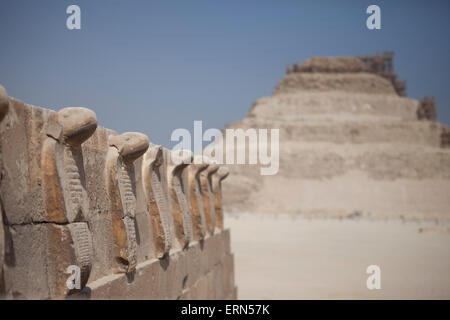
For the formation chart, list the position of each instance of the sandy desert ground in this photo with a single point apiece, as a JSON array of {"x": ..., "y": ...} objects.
[{"x": 288, "y": 256}]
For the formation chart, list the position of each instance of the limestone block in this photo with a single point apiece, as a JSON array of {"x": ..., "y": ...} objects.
[
  {"x": 228, "y": 275},
  {"x": 144, "y": 234},
  {"x": 195, "y": 198},
  {"x": 121, "y": 186},
  {"x": 144, "y": 237},
  {"x": 99, "y": 217},
  {"x": 25, "y": 271},
  {"x": 202, "y": 290},
  {"x": 226, "y": 241},
  {"x": 66, "y": 201},
  {"x": 212, "y": 280},
  {"x": 176, "y": 274},
  {"x": 212, "y": 251},
  {"x": 21, "y": 143},
  {"x": 217, "y": 179},
  {"x": 149, "y": 282},
  {"x": 220, "y": 280},
  {"x": 113, "y": 287},
  {"x": 194, "y": 264},
  {"x": 177, "y": 181},
  {"x": 216, "y": 282},
  {"x": 184, "y": 274},
  {"x": 155, "y": 188},
  {"x": 67, "y": 245},
  {"x": 207, "y": 194}
]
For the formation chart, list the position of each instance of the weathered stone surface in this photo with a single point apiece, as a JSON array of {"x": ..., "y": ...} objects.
[
  {"x": 177, "y": 181},
  {"x": 227, "y": 273},
  {"x": 217, "y": 179},
  {"x": 195, "y": 268},
  {"x": 195, "y": 198},
  {"x": 4, "y": 106},
  {"x": 218, "y": 283},
  {"x": 4, "y": 102},
  {"x": 25, "y": 270},
  {"x": 333, "y": 65},
  {"x": 61, "y": 253},
  {"x": 65, "y": 194},
  {"x": 207, "y": 195},
  {"x": 144, "y": 232},
  {"x": 37, "y": 258},
  {"x": 346, "y": 82},
  {"x": 184, "y": 274},
  {"x": 99, "y": 217},
  {"x": 21, "y": 147},
  {"x": 62, "y": 164},
  {"x": 2, "y": 247},
  {"x": 155, "y": 186},
  {"x": 121, "y": 186},
  {"x": 82, "y": 244}
]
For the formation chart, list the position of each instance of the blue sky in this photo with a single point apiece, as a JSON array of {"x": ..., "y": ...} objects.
[{"x": 153, "y": 66}]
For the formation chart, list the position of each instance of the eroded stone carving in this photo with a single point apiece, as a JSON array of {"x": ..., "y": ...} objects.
[
  {"x": 123, "y": 150},
  {"x": 195, "y": 198},
  {"x": 177, "y": 184},
  {"x": 207, "y": 194},
  {"x": 217, "y": 178},
  {"x": 154, "y": 179},
  {"x": 66, "y": 201}
]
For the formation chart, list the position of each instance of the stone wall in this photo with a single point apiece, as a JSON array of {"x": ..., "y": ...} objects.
[{"x": 129, "y": 219}]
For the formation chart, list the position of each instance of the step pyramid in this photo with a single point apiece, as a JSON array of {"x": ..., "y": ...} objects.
[{"x": 350, "y": 144}]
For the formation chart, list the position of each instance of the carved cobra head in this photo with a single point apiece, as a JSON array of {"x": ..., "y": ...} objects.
[
  {"x": 212, "y": 167},
  {"x": 131, "y": 145},
  {"x": 222, "y": 173},
  {"x": 77, "y": 124},
  {"x": 156, "y": 154},
  {"x": 198, "y": 164},
  {"x": 4, "y": 102}
]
